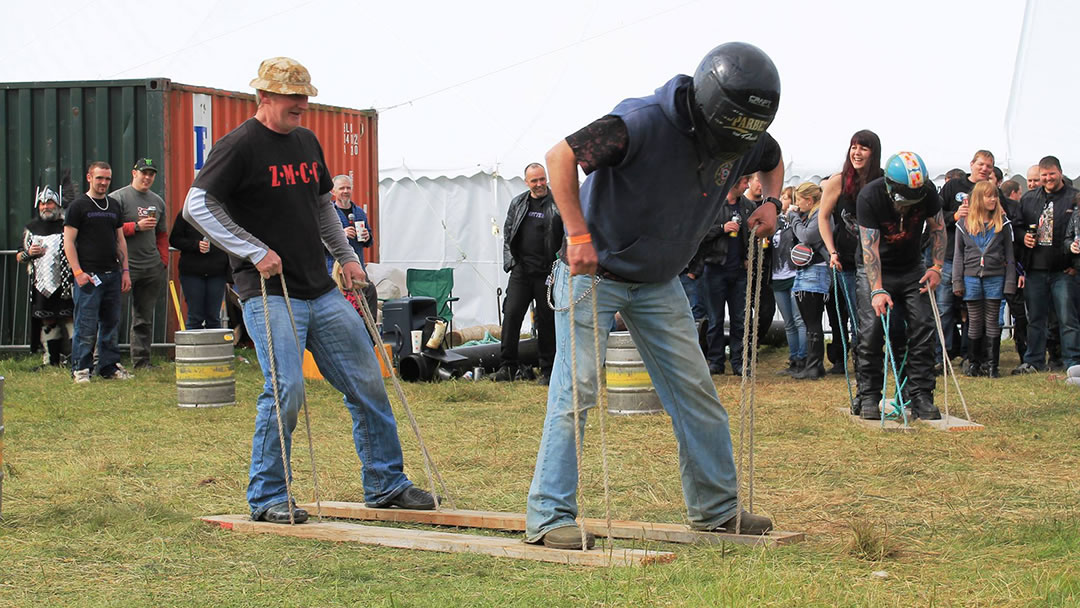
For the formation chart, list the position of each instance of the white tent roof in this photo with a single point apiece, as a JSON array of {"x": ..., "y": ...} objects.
[{"x": 490, "y": 86}]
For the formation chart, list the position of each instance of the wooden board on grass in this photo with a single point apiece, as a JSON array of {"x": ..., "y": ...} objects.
[
  {"x": 947, "y": 423},
  {"x": 515, "y": 522},
  {"x": 445, "y": 542},
  {"x": 953, "y": 424}
]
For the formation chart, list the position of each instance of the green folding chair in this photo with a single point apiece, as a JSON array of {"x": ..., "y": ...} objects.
[{"x": 438, "y": 284}]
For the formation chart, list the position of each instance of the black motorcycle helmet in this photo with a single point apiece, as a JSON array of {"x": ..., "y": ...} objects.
[{"x": 734, "y": 99}]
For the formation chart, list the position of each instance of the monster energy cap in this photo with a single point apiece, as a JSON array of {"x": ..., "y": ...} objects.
[
  {"x": 284, "y": 76},
  {"x": 146, "y": 164}
]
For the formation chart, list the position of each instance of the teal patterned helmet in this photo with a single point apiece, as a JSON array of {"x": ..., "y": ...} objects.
[{"x": 905, "y": 178}]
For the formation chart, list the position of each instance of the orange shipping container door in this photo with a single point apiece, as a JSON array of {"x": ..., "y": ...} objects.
[{"x": 197, "y": 116}]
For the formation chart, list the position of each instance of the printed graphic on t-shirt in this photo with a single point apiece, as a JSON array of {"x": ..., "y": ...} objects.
[
  {"x": 1045, "y": 233},
  {"x": 902, "y": 230},
  {"x": 537, "y": 215}
]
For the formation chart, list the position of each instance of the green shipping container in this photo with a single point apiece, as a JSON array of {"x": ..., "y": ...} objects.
[{"x": 47, "y": 128}]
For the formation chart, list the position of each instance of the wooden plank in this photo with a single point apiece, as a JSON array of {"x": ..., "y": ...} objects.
[
  {"x": 445, "y": 542},
  {"x": 515, "y": 522},
  {"x": 889, "y": 425},
  {"x": 947, "y": 423},
  {"x": 953, "y": 424}
]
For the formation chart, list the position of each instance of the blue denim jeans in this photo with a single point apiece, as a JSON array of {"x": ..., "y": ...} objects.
[
  {"x": 945, "y": 303},
  {"x": 337, "y": 339},
  {"x": 690, "y": 286},
  {"x": 97, "y": 317},
  {"x": 203, "y": 296},
  {"x": 1042, "y": 290},
  {"x": 658, "y": 316},
  {"x": 724, "y": 288},
  {"x": 793, "y": 323}
]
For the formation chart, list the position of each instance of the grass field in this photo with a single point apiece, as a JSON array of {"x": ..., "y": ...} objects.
[{"x": 104, "y": 484}]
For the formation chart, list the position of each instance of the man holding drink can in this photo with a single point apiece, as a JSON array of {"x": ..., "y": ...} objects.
[
  {"x": 148, "y": 250},
  {"x": 354, "y": 222}
]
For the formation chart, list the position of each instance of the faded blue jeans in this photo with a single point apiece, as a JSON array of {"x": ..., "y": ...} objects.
[
  {"x": 97, "y": 318},
  {"x": 337, "y": 339},
  {"x": 658, "y": 316},
  {"x": 1043, "y": 290},
  {"x": 793, "y": 321}
]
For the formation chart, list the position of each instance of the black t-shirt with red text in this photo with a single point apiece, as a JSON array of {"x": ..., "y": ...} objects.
[
  {"x": 97, "y": 221},
  {"x": 270, "y": 184},
  {"x": 900, "y": 246}
]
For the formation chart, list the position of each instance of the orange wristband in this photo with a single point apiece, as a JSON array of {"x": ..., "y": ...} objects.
[
  {"x": 77, "y": 271},
  {"x": 580, "y": 239}
]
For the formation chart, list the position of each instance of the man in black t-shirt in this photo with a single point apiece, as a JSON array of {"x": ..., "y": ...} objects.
[
  {"x": 1050, "y": 267},
  {"x": 264, "y": 197},
  {"x": 532, "y": 236},
  {"x": 97, "y": 252},
  {"x": 892, "y": 211}
]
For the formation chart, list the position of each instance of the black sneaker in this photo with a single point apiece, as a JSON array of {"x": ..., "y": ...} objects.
[
  {"x": 412, "y": 498},
  {"x": 504, "y": 374},
  {"x": 279, "y": 514},
  {"x": 568, "y": 538},
  {"x": 752, "y": 525},
  {"x": 716, "y": 370},
  {"x": 1024, "y": 368}
]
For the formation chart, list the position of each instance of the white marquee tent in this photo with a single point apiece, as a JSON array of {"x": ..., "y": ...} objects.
[{"x": 468, "y": 93}]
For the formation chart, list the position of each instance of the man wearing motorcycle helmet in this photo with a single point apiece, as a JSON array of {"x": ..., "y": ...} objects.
[
  {"x": 892, "y": 212},
  {"x": 658, "y": 169}
]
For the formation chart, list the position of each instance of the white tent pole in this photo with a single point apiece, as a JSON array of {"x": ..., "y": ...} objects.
[{"x": 1014, "y": 90}]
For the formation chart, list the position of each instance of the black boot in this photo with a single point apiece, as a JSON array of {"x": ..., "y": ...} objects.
[
  {"x": 972, "y": 366},
  {"x": 922, "y": 406},
  {"x": 55, "y": 349},
  {"x": 992, "y": 357},
  {"x": 792, "y": 368},
  {"x": 870, "y": 408},
  {"x": 815, "y": 358}
]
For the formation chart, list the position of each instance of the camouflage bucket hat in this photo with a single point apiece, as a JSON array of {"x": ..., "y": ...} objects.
[{"x": 284, "y": 76}]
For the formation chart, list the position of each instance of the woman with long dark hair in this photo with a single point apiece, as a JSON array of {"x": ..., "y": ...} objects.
[{"x": 840, "y": 232}]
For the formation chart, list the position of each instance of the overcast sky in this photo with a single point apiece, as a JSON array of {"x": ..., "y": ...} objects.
[{"x": 495, "y": 84}]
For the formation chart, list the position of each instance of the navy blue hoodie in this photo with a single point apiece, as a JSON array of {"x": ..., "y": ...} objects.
[{"x": 648, "y": 214}]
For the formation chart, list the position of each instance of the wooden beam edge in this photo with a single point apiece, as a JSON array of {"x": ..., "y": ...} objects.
[
  {"x": 515, "y": 522},
  {"x": 445, "y": 542}
]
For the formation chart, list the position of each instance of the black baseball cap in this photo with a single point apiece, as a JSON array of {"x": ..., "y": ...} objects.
[{"x": 146, "y": 164}]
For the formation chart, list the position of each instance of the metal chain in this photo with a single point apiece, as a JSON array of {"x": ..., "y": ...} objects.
[{"x": 551, "y": 281}]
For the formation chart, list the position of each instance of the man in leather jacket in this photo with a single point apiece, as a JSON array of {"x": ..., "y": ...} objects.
[{"x": 532, "y": 237}]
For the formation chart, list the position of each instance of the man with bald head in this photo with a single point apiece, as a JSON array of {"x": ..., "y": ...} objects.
[{"x": 354, "y": 223}]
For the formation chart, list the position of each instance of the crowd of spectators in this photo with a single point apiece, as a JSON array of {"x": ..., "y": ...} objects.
[{"x": 82, "y": 253}]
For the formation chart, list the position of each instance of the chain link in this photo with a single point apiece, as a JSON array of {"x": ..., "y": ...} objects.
[{"x": 551, "y": 281}]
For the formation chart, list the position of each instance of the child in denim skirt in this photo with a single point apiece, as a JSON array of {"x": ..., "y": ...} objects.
[{"x": 984, "y": 270}]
